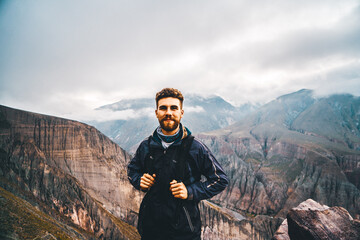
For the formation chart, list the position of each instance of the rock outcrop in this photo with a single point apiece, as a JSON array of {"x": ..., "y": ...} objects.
[
  {"x": 313, "y": 221},
  {"x": 72, "y": 168}
]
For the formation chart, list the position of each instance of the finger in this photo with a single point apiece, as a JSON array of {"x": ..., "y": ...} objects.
[
  {"x": 177, "y": 185},
  {"x": 180, "y": 196},
  {"x": 172, "y": 184},
  {"x": 145, "y": 184},
  {"x": 179, "y": 189},
  {"x": 145, "y": 180},
  {"x": 176, "y": 188},
  {"x": 178, "y": 193},
  {"x": 148, "y": 176}
]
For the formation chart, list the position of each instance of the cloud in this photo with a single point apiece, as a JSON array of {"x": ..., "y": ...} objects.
[
  {"x": 194, "y": 109},
  {"x": 103, "y": 115},
  {"x": 60, "y": 57}
]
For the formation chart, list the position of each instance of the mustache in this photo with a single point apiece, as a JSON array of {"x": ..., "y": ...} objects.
[{"x": 167, "y": 118}]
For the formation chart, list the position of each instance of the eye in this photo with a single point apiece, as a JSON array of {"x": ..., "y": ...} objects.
[
  {"x": 174, "y": 108},
  {"x": 162, "y": 107}
]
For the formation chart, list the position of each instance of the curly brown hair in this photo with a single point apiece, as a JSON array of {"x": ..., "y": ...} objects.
[{"x": 169, "y": 92}]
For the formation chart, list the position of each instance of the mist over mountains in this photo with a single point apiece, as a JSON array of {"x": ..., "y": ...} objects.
[{"x": 202, "y": 114}]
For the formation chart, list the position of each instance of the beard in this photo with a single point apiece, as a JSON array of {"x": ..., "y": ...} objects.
[{"x": 169, "y": 126}]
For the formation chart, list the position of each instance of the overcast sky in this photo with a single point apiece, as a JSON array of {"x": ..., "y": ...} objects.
[{"x": 65, "y": 58}]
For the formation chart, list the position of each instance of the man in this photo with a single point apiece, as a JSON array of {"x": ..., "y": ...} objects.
[{"x": 168, "y": 166}]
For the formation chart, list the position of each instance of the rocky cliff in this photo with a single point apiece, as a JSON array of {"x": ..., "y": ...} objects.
[
  {"x": 293, "y": 148},
  {"x": 72, "y": 168}
]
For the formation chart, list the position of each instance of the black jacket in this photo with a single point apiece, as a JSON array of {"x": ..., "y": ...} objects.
[{"x": 165, "y": 216}]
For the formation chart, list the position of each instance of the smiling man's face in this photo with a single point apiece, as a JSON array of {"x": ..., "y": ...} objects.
[{"x": 169, "y": 113}]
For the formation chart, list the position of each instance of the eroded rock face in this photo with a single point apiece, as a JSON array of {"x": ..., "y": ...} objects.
[
  {"x": 289, "y": 174},
  {"x": 71, "y": 167},
  {"x": 311, "y": 220},
  {"x": 221, "y": 224},
  {"x": 291, "y": 149}
]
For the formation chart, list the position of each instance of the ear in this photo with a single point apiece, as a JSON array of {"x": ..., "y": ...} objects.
[
  {"x": 156, "y": 112},
  {"x": 182, "y": 112}
]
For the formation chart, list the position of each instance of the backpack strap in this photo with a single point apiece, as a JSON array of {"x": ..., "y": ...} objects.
[
  {"x": 182, "y": 157},
  {"x": 150, "y": 159}
]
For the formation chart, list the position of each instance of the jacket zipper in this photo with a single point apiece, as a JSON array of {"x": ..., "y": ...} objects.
[{"x": 188, "y": 219}]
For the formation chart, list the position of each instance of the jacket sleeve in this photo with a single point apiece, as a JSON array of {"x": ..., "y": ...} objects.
[
  {"x": 216, "y": 179},
  {"x": 135, "y": 167}
]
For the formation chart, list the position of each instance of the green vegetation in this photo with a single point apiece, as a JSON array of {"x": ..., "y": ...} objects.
[
  {"x": 126, "y": 229},
  {"x": 294, "y": 170},
  {"x": 20, "y": 219},
  {"x": 3, "y": 122},
  {"x": 290, "y": 170}
]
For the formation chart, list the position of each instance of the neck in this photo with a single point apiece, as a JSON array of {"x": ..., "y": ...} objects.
[{"x": 170, "y": 132}]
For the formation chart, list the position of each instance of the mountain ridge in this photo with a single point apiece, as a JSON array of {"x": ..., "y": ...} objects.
[{"x": 282, "y": 161}]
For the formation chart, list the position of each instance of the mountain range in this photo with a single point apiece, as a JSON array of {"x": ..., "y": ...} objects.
[
  {"x": 202, "y": 114},
  {"x": 293, "y": 148},
  {"x": 64, "y": 179}
]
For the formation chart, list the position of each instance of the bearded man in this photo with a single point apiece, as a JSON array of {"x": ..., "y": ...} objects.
[{"x": 168, "y": 166}]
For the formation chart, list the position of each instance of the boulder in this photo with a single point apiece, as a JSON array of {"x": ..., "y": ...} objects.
[{"x": 311, "y": 220}]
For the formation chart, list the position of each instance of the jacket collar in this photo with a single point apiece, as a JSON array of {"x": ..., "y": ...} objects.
[{"x": 157, "y": 141}]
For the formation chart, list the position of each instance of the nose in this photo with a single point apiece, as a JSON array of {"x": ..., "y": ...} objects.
[{"x": 168, "y": 111}]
